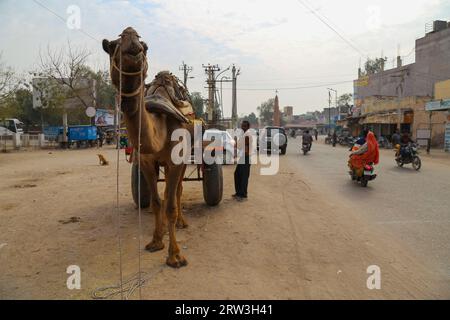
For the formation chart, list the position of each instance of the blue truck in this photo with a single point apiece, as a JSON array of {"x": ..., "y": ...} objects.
[
  {"x": 76, "y": 135},
  {"x": 82, "y": 135}
]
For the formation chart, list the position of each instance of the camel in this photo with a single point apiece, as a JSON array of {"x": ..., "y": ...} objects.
[{"x": 128, "y": 77}]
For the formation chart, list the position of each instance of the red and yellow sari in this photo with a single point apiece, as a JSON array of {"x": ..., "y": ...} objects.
[{"x": 372, "y": 155}]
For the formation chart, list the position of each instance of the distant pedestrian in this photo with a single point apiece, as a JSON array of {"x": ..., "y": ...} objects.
[
  {"x": 242, "y": 172},
  {"x": 100, "y": 137},
  {"x": 316, "y": 133},
  {"x": 396, "y": 138},
  {"x": 334, "y": 138}
]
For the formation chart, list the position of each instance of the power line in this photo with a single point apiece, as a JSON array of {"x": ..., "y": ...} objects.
[
  {"x": 63, "y": 19},
  {"x": 293, "y": 88},
  {"x": 315, "y": 13}
]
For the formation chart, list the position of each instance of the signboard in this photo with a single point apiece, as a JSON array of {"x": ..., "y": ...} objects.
[
  {"x": 104, "y": 117},
  {"x": 362, "y": 82},
  {"x": 447, "y": 137},
  {"x": 423, "y": 134},
  {"x": 422, "y": 142},
  {"x": 438, "y": 105}
]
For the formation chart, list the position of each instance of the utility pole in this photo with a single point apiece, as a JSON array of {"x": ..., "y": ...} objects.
[
  {"x": 329, "y": 106},
  {"x": 211, "y": 82},
  {"x": 186, "y": 70},
  {"x": 234, "y": 116}
]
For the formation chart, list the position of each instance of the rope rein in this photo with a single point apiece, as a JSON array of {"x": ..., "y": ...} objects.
[
  {"x": 126, "y": 288},
  {"x": 117, "y": 173}
]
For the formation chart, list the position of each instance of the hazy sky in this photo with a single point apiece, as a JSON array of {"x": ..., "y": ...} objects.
[{"x": 277, "y": 44}]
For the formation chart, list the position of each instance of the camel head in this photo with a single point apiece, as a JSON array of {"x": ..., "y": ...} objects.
[{"x": 127, "y": 56}]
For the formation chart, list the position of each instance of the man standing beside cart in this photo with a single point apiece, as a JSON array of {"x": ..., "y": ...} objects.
[{"x": 242, "y": 172}]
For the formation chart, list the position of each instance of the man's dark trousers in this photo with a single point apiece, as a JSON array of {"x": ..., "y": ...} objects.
[{"x": 241, "y": 175}]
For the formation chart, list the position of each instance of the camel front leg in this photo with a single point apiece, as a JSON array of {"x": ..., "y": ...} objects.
[
  {"x": 181, "y": 222},
  {"x": 173, "y": 175},
  {"x": 151, "y": 177}
]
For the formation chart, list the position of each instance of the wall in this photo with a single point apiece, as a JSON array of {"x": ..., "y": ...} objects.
[
  {"x": 432, "y": 65},
  {"x": 442, "y": 90}
]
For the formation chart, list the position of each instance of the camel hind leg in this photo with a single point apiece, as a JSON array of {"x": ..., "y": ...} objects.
[
  {"x": 173, "y": 176},
  {"x": 181, "y": 221}
]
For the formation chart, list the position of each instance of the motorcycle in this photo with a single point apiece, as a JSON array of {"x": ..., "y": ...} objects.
[
  {"x": 368, "y": 174},
  {"x": 410, "y": 155},
  {"x": 306, "y": 147}
]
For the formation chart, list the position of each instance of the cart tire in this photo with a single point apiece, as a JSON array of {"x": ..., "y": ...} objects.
[
  {"x": 212, "y": 184},
  {"x": 145, "y": 192}
]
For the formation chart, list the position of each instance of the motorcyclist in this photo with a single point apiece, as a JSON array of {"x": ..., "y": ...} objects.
[
  {"x": 367, "y": 153},
  {"x": 404, "y": 142},
  {"x": 307, "y": 139},
  {"x": 334, "y": 138},
  {"x": 361, "y": 140}
]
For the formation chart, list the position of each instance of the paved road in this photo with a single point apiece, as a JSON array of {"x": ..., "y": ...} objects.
[{"x": 412, "y": 206}]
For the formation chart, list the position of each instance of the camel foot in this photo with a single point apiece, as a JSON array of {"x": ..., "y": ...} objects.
[
  {"x": 154, "y": 246},
  {"x": 181, "y": 224},
  {"x": 176, "y": 261}
]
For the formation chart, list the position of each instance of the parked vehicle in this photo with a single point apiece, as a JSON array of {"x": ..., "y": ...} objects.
[
  {"x": 226, "y": 150},
  {"x": 383, "y": 142},
  {"x": 82, "y": 136},
  {"x": 273, "y": 139},
  {"x": 410, "y": 154},
  {"x": 110, "y": 136},
  {"x": 367, "y": 175},
  {"x": 9, "y": 127}
]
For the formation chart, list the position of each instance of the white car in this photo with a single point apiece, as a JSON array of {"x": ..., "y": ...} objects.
[{"x": 226, "y": 151}]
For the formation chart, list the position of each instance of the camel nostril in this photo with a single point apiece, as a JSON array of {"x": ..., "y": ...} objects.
[{"x": 135, "y": 49}]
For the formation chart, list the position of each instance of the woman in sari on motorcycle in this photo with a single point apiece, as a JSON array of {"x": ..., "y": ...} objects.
[{"x": 367, "y": 153}]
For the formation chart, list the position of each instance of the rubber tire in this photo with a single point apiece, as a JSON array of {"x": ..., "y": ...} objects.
[
  {"x": 305, "y": 152},
  {"x": 400, "y": 163},
  {"x": 212, "y": 184},
  {"x": 283, "y": 150},
  {"x": 145, "y": 192},
  {"x": 364, "y": 182},
  {"x": 417, "y": 167}
]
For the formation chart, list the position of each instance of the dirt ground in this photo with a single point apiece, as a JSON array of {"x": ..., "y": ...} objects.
[{"x": 57, "y": 208}]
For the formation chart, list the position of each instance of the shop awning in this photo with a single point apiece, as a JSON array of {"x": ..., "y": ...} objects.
[{"x": 387, "y": 118}]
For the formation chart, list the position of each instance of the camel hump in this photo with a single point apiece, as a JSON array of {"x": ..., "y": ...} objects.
[{"x": 167, "y": 88}]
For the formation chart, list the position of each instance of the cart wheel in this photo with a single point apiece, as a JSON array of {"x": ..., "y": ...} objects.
[
  {"x": 212, "y": 184},
  {"x": 145, "y": 192}
]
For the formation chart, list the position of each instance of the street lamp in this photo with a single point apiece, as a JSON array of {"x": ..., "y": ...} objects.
[
  {"x": 221, "y": 82},
  {"x": 329, "y": 107}
]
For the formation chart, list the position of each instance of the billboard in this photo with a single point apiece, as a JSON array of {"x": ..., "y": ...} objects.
[{"x": 104, "y": 117}]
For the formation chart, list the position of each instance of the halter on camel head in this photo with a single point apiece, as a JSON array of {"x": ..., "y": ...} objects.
[{"x": 128, "y": 58}]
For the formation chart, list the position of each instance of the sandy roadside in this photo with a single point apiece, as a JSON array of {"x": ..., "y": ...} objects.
[{"x": 283, "y": 243}]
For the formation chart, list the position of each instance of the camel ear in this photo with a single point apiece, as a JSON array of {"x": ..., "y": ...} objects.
[
  {"x": 105, "y": 44},
  {"x": 145, "y": 47}
]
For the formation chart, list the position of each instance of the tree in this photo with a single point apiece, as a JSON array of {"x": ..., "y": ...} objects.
[
  {"x": 373, "y": 66},
  {"x": 250, "y": 118},
  {"x": 8, "y": 85},
  {"x": 345, "y": 99},
  {"x": 67, "y": 68},
  {"x": 266, "y": 111},
  {"x": 197, "y": 104}
]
